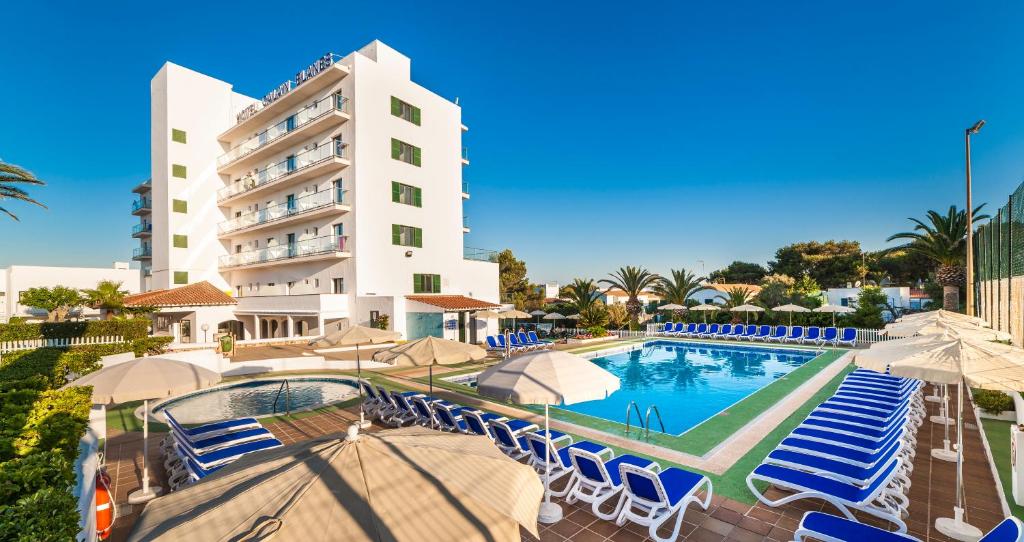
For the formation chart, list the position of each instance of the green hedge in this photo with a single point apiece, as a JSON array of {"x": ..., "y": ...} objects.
[
  {"x": 130, "y": 329},
  {"x": 56, "y": 363}
]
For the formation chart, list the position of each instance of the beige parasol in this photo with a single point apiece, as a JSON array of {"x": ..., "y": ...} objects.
[
  {"x": 835, "y": 309},
  {"x": 406, "y": 484},
  {"x": 747, "y": 308},
  {"x": 790, "y": 308},
  {"x": 430, "y": 351},
  {"x": 705, "y": 308},
  {"x": 548, "y": 377},
  {"x": 144, "y": 379},
  {"x": 945, "y": 327},
  {"x": 358, "y": 336},
  {"x": 943, "y": 314}
]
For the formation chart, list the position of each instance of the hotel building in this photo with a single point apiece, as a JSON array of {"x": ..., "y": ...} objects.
[{"x": 336, "y": 199}]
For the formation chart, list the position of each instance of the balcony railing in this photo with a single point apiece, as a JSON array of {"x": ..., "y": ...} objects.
[
  {"x": 281, "y": 211},
  {"x": 142, "y": 203},
  {"x": 479, "y": 254},
  {"x": 288, "y": 166},
  {"x": 299, "y": 249},
  {"x": 465, "y": 187},
  {"x": 302, "y": 117},
  {"x": 465, "y": 154},
  {"x": 142, "y": 252},
  {"x": 142, "y": 228}
]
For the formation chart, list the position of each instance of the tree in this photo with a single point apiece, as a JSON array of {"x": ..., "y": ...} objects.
[
  {"x": 739, "y": 273},
  {"x": 107, "y": 295},
  {"x": 617, "y": 315},
  {"x": 582, "y": 294},
  {"x": 595, "y": 315},
  {"x": 633, "y": 281},
  {"x": 677, "y": 288},
  {"x": 943, "y": 240},
  {"x": 736, "y": 296},
  {"x": 831, "y": 264},
  {"x": 10, "y": 175},
  {"x": 57, "y": 301},
  {"x": 899, "y": 266},
  {"x": 869, "y": 308},
  {"x": 514, "y": 286},
  {"x": 775, "y": 290}
]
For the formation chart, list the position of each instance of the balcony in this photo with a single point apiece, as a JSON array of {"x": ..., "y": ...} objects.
[
  {"x": 143, "y": 187},
  {"x": 292, "y": 98},
  {"x": 316, "y": 204},
  {"x": 479, "y": 254},
  {"x": 144, "y": 229},
  {"x": 142, "y": 206},
  {"x": 327, "y": 305},
  {"x": 317, "y": 248},
  {"x": 142, "y": 253},
  {"x": 465, "y": 224},
  {"x": 465, "y": 156},
  {"x": 304, "y": 165},
  {"x": 321, "y": 115},
  {"x": 465, "y": 189}
]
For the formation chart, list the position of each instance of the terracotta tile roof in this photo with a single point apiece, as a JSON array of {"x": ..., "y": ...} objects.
[
  {"x": 452, "y": 302},
  {"x": 200, "y": 293},
  {"x": 721, "y": 287}
]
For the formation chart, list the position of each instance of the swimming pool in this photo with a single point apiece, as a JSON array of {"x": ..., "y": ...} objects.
[
  {"x": 689, "y": 382},
  {"x": 256, "y": 398}
]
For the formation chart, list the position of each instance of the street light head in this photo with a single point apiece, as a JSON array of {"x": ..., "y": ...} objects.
[{"x": 976, "y": 128}]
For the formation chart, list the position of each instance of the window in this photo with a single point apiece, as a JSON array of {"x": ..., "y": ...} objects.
[
  {"x": 180, "y": 241},
  {"x": 426, "y": 284},
  {"x": 179, "y": 206},
  {"x": 179, "y": 136},
  {"x": 179, "y": 171},
  {"x": 406, "y": 236},
  {"x": 405, "y": 152},
  {"x": 407, "y": 194},
  {"x": 405, "y": 111},
  {"x": 181, "y": 277},
  {"x": 374, "y": 316},
  {"x": 338, "y": 285},
  {"x": 238, "y": 290}
]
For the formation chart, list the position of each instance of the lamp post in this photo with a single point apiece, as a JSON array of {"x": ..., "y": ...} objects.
[{"x": 970, "y": 217}]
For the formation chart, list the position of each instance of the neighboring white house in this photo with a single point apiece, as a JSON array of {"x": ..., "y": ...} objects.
[
  {"x": 615, "y": 295},
  {"x": 18, "y": 278},
  {"x": 900, "y": 297},
  {"x": 716, "y": 294},
  {"x": 335, "y": 199},
  {"x": 549, "y": 290}
]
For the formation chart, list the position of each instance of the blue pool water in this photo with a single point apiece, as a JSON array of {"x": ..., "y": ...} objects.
[
  {"x": 256, "y": 398},
  {"x": 688, "y": 382}
]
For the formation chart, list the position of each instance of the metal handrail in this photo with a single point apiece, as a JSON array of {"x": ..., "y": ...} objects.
[
  {"x": 647, "y": 421},
  {"x": 629, "y": 414},
  {"x": 286, "y": 387}
]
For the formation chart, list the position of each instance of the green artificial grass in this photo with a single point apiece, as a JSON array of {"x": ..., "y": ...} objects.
[{"x": 998, "y": 434}]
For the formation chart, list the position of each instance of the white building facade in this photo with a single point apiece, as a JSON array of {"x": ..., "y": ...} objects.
[
  {"x": 324, "y": 204},
  {"x": 17, "y": 278}
]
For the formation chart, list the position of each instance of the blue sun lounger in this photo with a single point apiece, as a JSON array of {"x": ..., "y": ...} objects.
[
  {"x": 829, "y": 336},
  {"x": 822, "y": 526},
  {"x": 597, "y": 479},
  {"x": 723, "y": 331},
  {"x": 796, "y": 334},
  {"x": 737, "y": 331},
  {"x": 651, "y": 498},
  {"x": 535, "y": 339},
  {"x": 848, "y": 336},
  {"x": 690, "y": 331},
  {"x": 848, "y": 472},
  {"x": 561, "y": 463},
  {"x": 709, "y": 331},
  {"x": 477, "y": 423},
  {"x": 221, "y": 456},
  {"x": 449, "y": 417},
  {"x": 510, "y": 438},
  {"x": 874, "y": 499},
  {"x": 667, "y": 328},
  {"x": 812, "y": 335},
  {"x": 492, "y": 344},
  {"x": 778, "y": 335},
  {"x": 763, "y": 332},
  {"x": 214, "y": 428}
]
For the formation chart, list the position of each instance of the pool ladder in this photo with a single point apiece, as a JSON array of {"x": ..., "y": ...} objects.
[
  {"x": 287, "y": 389},
  {"x": 645, "y": 422}
]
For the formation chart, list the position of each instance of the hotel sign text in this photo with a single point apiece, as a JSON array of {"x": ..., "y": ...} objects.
[{"x": 310, "y": 72}]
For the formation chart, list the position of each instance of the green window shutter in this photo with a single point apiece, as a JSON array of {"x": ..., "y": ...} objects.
[
  {"x": 417, "y": 197},
  {"x": 415, "y": 156},
  {"x": 437, "y": 284},
  {"x": 396, "y": 191},
  {"x": 179, "y": 206},
  {"x": 181, "y": 277},
  {"x": 179, "y": 136},
  {"x": 180, "y": 241},
  {"x": 396, "y": 234},
  {"x": 417, "y": 237},
  {"x": 417, "y": 283},
  {"x": 416, "y": 116},
  {"x": 178, "y": 170},
  {"x": 396, "y": 148},
  {"x": 396, "y": 107}
]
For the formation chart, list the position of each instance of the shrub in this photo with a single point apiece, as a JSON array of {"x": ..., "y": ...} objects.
[
  {"x": 50, "y": 514},
  {"x": 993, "y": 402},
  {"x": 26, "y": 475},
  {"x": 597, "y": 331},
  {"x": 130, "y": 329},
  {"x": 56, "y": 363},
  {"x": 151, "y": 345}
]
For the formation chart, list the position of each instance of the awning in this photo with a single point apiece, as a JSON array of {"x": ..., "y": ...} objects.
[{"x": 452, "y": 302}]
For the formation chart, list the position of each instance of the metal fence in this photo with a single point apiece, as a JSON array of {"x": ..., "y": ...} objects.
[{"x": 999, "y": 267}]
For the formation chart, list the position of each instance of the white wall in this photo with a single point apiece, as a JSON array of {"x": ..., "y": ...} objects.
[
  {"x": 898, "y": 296},
  {"x": 18, "y": 278}
]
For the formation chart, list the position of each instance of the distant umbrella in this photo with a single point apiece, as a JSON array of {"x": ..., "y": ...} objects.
[
  {"x": 514, "y": 315},
  {"x": 357, "y": 336},
  {"x": 706, "y": 307},
  {"x": 834, "y": 309},
  {"x": 430, "y": 351},
  {"x": 486, "y": 314},
  {"x": 538, "y": 313},
  {"x": 791, "y": 308},
  {"x": 747, "y": 309},
  {"x": 672, "y": 307}
]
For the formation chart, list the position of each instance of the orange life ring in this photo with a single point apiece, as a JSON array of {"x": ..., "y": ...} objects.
[{"x": 104, "y": 506}]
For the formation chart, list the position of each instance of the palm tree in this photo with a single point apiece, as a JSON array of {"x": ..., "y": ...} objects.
[
  {"x": 107, "y": 295},
  {"x": 679, "y": 287},
  {"x": 943, "y": 239},
  {"x": 10, "y": 175},
  {"x": 736, "y": 296},
  {"x": 582, "y": 294},
  {"x": 633, "y": 281}
]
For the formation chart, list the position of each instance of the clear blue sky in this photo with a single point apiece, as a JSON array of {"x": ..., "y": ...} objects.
[{"x": 601, "y": 135}]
